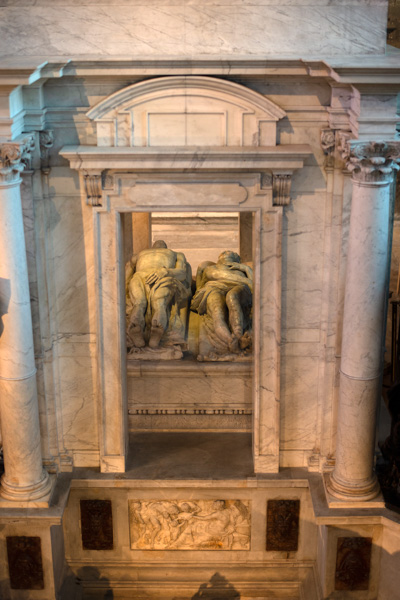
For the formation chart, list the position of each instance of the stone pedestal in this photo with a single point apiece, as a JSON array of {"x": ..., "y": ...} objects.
[
  {"x": 372, "y": 165},
  {"x": 24, "y": 479}
]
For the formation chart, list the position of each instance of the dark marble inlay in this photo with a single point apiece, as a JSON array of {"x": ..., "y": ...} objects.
[
  {"x": 25, "y": 562},
  {"x": 283, "y": 525},
  {"x": 353, "y": 563},
  {"x": 96, "y": 525}
]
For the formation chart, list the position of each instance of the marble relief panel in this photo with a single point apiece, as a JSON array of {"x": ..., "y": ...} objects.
[{"x": 189, "y": 524}]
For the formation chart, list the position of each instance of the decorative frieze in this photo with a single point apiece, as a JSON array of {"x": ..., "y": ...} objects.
[
  {"x": 190, "y": 524},
  {"x": 370, "y": 162},
  {"x": 25, "y": 563},
  {"x": 190, "y": 411},
  {"x": 15, "y": 157}
]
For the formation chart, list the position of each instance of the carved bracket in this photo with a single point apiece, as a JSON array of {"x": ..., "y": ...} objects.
[
  {"x": 370, "y": 162},
  {"x": 93, "y": 187},
  {"x": 328, "y": 143},
  {"x": 46, "y": 140},
  {"x": 281, "y": 184},
  {"x": 15, "y": 157}
]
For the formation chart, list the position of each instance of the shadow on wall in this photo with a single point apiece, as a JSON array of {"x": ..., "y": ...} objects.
[{"x": 218, "y": 588}]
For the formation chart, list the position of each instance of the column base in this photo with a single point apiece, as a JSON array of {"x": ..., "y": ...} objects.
[
  {"x": 37, "y": 495},
  {"x": 341, "y": 494}
]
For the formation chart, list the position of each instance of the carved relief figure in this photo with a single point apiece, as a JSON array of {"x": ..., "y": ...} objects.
[
  {"x": 224, "y": 296},
  {"x": 180, "y": 525},
  {"x": 158, "y": 286}
]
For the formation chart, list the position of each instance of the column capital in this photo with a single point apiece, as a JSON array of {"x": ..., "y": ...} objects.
[
  {"x": 15, "y": 156},
  {"x": 370, "y": 162}
]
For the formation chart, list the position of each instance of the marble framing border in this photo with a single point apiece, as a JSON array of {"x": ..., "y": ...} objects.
[
  {"x": 124, "y": 179},
  {"x": 112, "y": 377}
]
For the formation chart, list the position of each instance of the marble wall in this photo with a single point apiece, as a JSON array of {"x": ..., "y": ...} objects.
[{"x": 181, "y": 27}]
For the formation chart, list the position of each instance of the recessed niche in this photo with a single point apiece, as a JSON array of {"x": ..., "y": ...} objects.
[{"x": 205, "y": 378}]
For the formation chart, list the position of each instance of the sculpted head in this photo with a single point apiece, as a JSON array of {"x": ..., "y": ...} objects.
[
  {"x": 228, "y": 256},
  {"x": 159, "y": 244}
]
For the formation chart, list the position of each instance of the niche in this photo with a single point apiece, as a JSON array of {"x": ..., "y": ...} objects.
[{"x": 200, "y": 388}]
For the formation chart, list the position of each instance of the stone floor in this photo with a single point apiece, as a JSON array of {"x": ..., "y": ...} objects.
[{"x": 187, "y": 455}]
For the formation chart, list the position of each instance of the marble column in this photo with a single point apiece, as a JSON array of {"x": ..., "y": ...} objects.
[
  {"x": 24, "y": 479},
  {"x": 372, "y": 165}
]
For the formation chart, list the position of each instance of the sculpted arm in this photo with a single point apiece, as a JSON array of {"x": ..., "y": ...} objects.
[
  {"x": 179, "y": 272},
  {"x": 130, "y": 268}
]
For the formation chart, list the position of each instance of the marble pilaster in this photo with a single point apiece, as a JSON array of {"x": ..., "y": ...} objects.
[
  {"x": 24, "y": 479},
  {"x": 372, "y": 165}
]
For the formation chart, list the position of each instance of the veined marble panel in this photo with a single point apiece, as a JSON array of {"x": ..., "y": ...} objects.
[
  {"x": 185, "y": 28},
  {"x": 190, "y": 525},
  {"x": 299, "y": 396}
]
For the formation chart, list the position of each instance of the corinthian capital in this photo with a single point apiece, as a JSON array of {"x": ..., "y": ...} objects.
[
  {"x": 371, "y": 162},
  {"x": 15, "y": 157}
]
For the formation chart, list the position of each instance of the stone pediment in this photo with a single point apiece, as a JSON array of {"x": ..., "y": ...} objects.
[{"x": 186, "y": 111}]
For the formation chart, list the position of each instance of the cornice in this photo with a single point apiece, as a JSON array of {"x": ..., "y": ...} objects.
[
  {"x": 353, "y": 70},
  {"x": 187, "y": 158}
]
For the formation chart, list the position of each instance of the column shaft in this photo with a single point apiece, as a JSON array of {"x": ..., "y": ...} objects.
[
  {"x": 24, "y": 478},
  {"x": 363, "y": 324}
]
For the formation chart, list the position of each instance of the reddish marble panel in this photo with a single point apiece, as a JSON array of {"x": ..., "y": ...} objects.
[
  {"x": 96, "y": 525},
  {"x": 25, "y": 563}
]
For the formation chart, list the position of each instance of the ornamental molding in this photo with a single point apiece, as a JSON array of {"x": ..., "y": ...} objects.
[
  {"x": 281, "y": 185},
  {"x": 93, "y": 187},
  {"x": 370, "y": 162},
  {"x": 16, "y": 156},
  {"x": 328, "y": 141},
  {"x": 46, "y": 141}
]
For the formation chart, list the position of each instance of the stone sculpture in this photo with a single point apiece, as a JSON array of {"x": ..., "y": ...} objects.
[
  {"x": 224, "y": 296},
  {"x": 191, "y": 525},
  {"x": 158, "y": 286}
]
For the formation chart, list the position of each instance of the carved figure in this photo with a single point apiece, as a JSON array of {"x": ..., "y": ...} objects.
[
  {"x": 179, "y": 525},
  {"x": 224, "y": 296},
  {"x": 158, "y": 285}
]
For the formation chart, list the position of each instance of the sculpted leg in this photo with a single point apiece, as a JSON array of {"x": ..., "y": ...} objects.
[
  {"x": 160, "y": 305},
  {"x": 216, "y": 309},
  {"x": 233, "y": 302}
]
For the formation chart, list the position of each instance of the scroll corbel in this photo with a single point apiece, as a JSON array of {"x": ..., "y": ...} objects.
[
  {"x": 281, "y": 185},
  {"x": 93, "y": 187}
]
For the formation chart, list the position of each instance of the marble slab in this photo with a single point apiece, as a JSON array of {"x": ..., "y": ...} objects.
[{"x": 173, "y": 28}]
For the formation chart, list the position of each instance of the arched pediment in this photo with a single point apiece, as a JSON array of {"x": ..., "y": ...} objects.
[{"x": 186, "y": 111}]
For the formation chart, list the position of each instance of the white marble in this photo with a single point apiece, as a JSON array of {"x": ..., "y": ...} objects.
[
  {"x": 24, "y": 478},
  {"x": 362, "y": 343},
  {"x": 184, "y": 29},
  {"x": 201, "y": 182}
]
